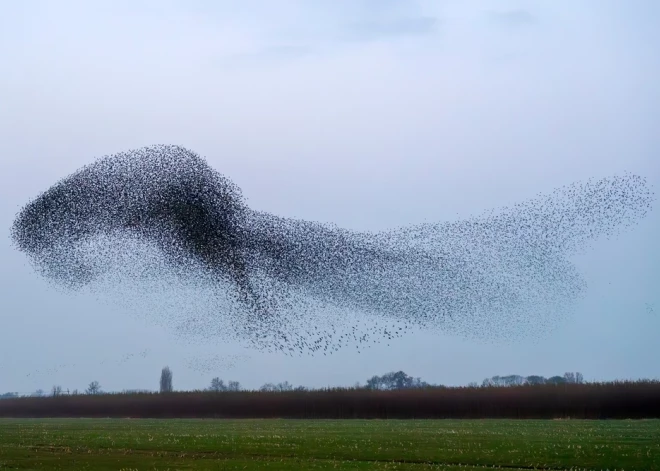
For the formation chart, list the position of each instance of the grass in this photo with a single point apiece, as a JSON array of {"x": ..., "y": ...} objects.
[{"x": 276, "y": 444}]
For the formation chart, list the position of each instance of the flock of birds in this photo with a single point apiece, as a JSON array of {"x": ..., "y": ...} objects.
[
  {"x": 130, "y": 356},
  {"x": 167, "y": 232}
]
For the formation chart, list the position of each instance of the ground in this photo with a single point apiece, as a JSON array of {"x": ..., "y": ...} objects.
[{"x": 131, "y": 444}]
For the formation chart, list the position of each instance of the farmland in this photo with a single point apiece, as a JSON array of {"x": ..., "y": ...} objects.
[{"x": 194, "y": 444}]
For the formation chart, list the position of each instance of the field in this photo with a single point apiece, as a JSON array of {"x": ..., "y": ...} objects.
[{"x": 278, "y": 444}]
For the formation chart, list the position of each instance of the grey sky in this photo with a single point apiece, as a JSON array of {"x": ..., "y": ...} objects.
[{"x": 369, "y": 114}]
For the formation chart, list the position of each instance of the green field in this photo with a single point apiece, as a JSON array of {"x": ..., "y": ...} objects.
[{"x": 129, "y": 444}]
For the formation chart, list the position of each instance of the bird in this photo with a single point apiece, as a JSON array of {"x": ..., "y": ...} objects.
[{"x": 160, "y": 224}]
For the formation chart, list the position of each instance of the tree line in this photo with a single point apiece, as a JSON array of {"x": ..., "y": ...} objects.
[
  {"x": 394, "y": 380},
  {"x": 517, "y": 380},
  {"x": 611, "y": 400}
]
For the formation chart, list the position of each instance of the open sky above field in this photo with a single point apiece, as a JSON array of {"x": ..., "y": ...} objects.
[{"x": 370, "y": 114}]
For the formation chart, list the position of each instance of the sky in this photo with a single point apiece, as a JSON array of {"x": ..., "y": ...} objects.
[{"x": 370, "y": 114}]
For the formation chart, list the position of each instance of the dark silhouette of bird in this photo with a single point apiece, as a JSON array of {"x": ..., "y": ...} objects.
[{"x": 163, "y": 225}]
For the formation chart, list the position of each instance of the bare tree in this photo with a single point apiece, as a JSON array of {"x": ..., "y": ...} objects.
[
  {"x": 166, "y": 380},
  {"x": 513, "y": 380},
  {"x": 93, "y": 388},
  {"x": 268, "y": 387},
  {"x": 217, "y": 385},
  {"x": 233, "y": 386},
  {"x": 534, "y": 380},
  {"x": 395, "y": 380},
  {"x": 285, "y": 386},
  {"x": 56, "y": 391},
  {"x": 38, "y": 393},
  {"x": 375, "y": 382}
]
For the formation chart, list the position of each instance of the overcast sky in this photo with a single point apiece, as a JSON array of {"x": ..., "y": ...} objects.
[{"x": 370, "y": 114}]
